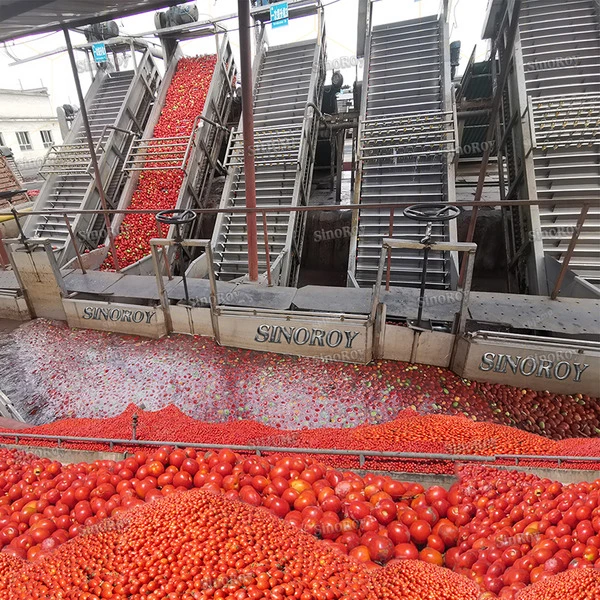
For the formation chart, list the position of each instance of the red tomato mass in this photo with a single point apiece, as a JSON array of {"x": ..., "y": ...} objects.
[
  {"x": 159, "y": 189},
  {"x": 114, "y": 530}
]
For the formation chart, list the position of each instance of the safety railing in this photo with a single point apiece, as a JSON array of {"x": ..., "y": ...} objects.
[
  {"x": 389, "y": 207},
  {"x": 66, "y": 160},
  {"x": 566, "y": 121},
  {"x": 362, "y": 455},
  {"x": 161, "y": 154}
]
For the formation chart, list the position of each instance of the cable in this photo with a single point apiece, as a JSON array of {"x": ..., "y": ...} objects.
[
  {"x": 455, "y": 24},
  {"x": 29, "y": 41}
]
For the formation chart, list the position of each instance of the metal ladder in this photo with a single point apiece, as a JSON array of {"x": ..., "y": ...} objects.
[
  {"x": 117, "y": 103},
  {"x": 288, "y": 82},
  {"x": 561, "y": 56},
  {"x": 407, "y": 143}
]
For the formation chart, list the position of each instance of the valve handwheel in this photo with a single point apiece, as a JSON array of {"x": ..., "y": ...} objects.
[
  {"x": 177, "y": 216},
  {"x": 432, "y": 212}
]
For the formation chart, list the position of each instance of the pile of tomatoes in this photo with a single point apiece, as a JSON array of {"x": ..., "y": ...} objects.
[
  {"x": 159, "y": 189},
  {"x": 502, "y": 530}
]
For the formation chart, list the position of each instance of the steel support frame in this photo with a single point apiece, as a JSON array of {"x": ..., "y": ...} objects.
[
  {"x": 308, "y": 143},
  {"x": 490, "y": 136},
  {"x": 164, "y": 299},
  {"x": 248, "y": 124},
  {"x": 469, "y": 248},
  {"x": 513, "y": 126}
]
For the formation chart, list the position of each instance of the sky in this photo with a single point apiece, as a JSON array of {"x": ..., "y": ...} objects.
[{"x": 54, "y": 73}]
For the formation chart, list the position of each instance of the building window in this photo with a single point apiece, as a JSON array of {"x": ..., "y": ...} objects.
[
  {"x": 47, "y": 138},
  {"x": 24, "y": 140},
  {"x": 2, "y": 140}
]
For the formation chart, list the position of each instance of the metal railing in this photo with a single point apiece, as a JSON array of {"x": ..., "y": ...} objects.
[
  {"x": 258, "y": 450},
  {"x": 389, "y": 207},
  {"x": 161, "y": 154}
]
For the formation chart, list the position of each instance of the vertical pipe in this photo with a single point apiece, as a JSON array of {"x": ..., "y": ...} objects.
[
  {"x": 214, "y": 299},
  {"x": 90, "y": 141},
  {"x": 267, "y": 253},
  {"x": 89, "y": 62},
  {"x": 132, "y": 48},
  {"x": 160, "y": 284},
  {"x": 3, "y": 253},
  {"x": 248, "y": 127},
  {"x": 389, "y": 254},
  {"x": 423, "y": 284},
  {"x": 340, "y": 165}
]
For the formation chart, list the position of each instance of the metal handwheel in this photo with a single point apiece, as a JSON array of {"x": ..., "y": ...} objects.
[
  {"x": 178, "y": 217},
  {"x": 430, "y": 213}
]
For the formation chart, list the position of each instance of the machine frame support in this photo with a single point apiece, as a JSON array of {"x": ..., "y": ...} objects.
[
  {"x": 90, "y": 141},
  {"x": 248, "y": 125}
]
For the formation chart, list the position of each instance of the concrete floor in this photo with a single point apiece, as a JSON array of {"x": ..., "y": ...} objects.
[{"x": 6, "y": 326}]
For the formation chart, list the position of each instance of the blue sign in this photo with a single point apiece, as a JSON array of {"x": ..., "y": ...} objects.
[
  {"x": 99, "y": 52},
  {"x": 279, "y": 15}
]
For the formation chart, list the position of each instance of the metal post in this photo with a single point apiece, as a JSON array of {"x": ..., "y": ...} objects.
[
  {"x": 340, "y": 165},
  {"x": 267, "y": 253},
  {"x": 162, "y": 292},
  {"x": 178, "y": 239},
  {"x": 90, "y": 141},
  {"x": 423, "y": 284},
  {"x": 248, "y": 126},
  {"x": 214, "y": 298},
  {"x": 164, "y": 253},
  {"x": 89, "y": 62},
  {"x": 567, "y": 259},
  {"x": 132, "y": 48},
  {"x": 389, "y": 254},
  {"x": 75, "y": 247},
  {"x": 3, "y": 254}
]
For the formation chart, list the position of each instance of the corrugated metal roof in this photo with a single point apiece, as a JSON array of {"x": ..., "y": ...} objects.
[{"x": 19, "y": 18}]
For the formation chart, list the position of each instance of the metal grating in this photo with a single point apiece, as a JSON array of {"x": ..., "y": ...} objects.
[
  {"x": 407, "y": 144},
  {"x": 561, "y": 56},
  {"x": 286, "y": 82}
]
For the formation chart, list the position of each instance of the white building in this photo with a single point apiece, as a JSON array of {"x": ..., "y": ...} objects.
[{"x": 29, "y": 126}]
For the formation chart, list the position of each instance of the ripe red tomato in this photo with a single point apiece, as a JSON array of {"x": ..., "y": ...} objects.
[
  {"x": 419, "y": 531},
  {"x": 398, "y": 533},
  {"x": 406, "y": 551},
  {"x": 183, "y": 479},
  {"x": 385, "y": 511},
  {"x": 360, "y": 553},
  {"x": 431, "y": 556}
]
